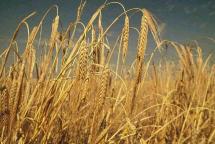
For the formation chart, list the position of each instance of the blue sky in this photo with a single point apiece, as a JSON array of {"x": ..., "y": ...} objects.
[{"x": 180, "y": 20}]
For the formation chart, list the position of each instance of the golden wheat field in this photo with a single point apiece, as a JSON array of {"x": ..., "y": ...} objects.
[{"x": 71, "y": 93}]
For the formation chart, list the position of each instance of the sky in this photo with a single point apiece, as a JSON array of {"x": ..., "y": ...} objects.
[{"x": 179, "y": 20}]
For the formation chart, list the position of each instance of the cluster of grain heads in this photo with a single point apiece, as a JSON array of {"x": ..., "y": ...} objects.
[
  {"x": 83, "y": 104},
  {"x": 99, "y": 126}
]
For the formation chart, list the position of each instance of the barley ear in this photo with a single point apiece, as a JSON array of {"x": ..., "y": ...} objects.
[
  {"x": 104, "y": 86},
  {"x": 153, "y": 26},
  {"x": 4, "y": 109},
  {"x": 125, "y": 38},
  {"x": 83, "y": 60},
  {"x": 142, "y": 42},
  {"x": 95, "y": 50},
  {"x": 101, "y": 42}
]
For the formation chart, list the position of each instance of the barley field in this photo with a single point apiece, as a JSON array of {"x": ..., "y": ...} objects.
[{"x": 69, "y": 90}]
